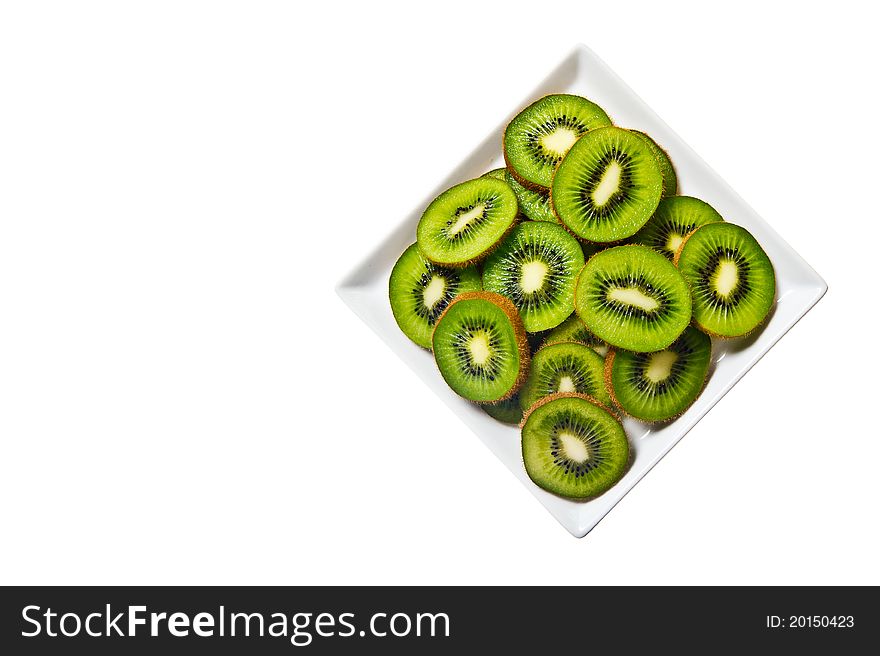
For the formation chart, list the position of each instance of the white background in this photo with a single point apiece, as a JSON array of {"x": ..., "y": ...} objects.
[{"x": 184, "y": 399}]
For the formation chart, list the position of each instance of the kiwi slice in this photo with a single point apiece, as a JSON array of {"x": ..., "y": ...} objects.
[
  {"x": 633, "y": 298},
  {"x": 573, "y": 447},
  {"x": 480, "y": 347},
  {"x": 564, "y": 367},
  {"x": 420, "y": 291},
  {"x": 540, "y": 135},
  {"x": 507, "y": 411},
  {"x": 670, "y": 179},
  {"x": 536, "y": 267},
  {"x": 498, "y": 174},
  {"x": 674, "y": 220},
  {"x": 465, "y": 222},
  {"x": 731, "y": 278},
  {"x": 607, "y": 186},
  {"x": 660, "y": 386},
  {"x": 534, "y": 204},
  {"x": 574, "y": 330}
]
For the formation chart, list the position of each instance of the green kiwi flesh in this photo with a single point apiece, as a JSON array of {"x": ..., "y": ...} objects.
[
  {"x": 536, "y": 267},
  {"x": 607, "y": 186},
  {"x": 464, "y": 223},
  {"x": 498, "y": 174},
  {"x": 507, "y": 411},
  {"x": 541, "y": 134},
  {"x": 574, "y": 330},
  {"x": 633, "y": 298},
  {"x": 573, "y": 447},
  {"x": 731, "y": 279},
  {"x": 564, "y": 367},
  {"x": 480, "y": 347},
  {"x": 675, "y": 219},
  {"x": 535, "y": 205},
  {"x": 420, "y": 291},
  {"x": 670, "y": 179},
  {"x": 660, "y": 386}
]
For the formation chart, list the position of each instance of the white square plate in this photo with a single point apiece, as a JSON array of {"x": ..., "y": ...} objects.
[{"x": 365, "y": 289}]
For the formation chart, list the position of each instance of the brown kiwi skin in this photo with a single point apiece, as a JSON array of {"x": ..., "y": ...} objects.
[
  {"x": 566, "y": 395},
  {"x": 609, "y": 364},
  {"x": 677, "y": 256},
  {"x": 522, "y": 344},
  {"x": 714, "y": 335}
]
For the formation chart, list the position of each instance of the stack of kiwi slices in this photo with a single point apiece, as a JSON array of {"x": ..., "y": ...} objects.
[{"x": 574, "y": 286}]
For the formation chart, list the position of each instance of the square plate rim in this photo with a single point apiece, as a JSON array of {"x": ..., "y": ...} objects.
[{"x": 578, "y": 56}]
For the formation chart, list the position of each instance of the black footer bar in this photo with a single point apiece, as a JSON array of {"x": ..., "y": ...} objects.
[{"x": 430, "y": 620}]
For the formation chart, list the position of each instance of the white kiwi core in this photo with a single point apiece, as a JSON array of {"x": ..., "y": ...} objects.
[
  {"x": 479, "y": 349},
  {"x": 726, "y": 277},
  {"x": 559, "y": 140},
  {"x": 608, "y": 185},
  {"x": 466, "y": 218},
  {"x": 566, "y": 384},
  {"x": 660, "y": 366},
  {"x": 532, "y": 277},
  {"x": 434, "y": 291},
  {"x": 635, "y": 297},
  {"x": 574, "y": 447}
]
